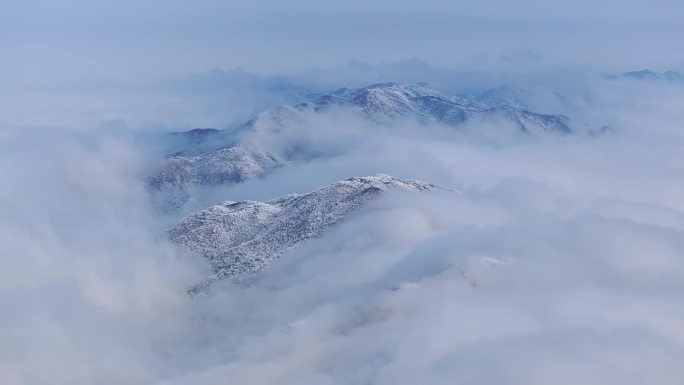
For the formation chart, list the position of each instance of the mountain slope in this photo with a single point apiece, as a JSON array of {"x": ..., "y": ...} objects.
[
  {"x": 382, "y": 103},
  {"x": 180, "y": 174},
  {"x": 240, "y": 237},
  {"x": 208, "y": 157}
]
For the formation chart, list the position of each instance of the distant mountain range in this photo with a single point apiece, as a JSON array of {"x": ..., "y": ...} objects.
[
  {"x": 210, "y": 157},
  {"x": 666, "y": 76}
]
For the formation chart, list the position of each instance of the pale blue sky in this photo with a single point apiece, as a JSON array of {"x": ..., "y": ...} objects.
[
  {"x": 64, "y": 39},
  {"x": 77, "y": 62}
]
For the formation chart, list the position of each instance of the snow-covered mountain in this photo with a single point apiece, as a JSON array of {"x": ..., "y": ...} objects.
[
  {"x": 209, "y": 157},
  {"x": 240, "y": 237},
  {"x": 175, "y": 181},
  {"x": 384, "y": 102}
]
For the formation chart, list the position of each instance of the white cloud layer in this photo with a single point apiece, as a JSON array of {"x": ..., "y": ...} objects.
[{"x": 560, "y": 262}]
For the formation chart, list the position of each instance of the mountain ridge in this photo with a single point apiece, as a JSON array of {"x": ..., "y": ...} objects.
[
  {"x": 246, "y": 236},
  {"x": 381, "y": 103}
]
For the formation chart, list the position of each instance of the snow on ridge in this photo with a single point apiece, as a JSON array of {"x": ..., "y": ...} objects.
[
  {"x": 217, "y": 157},
  {"x": 235, "y": 164},
  {"x": 242, "y": 237}
]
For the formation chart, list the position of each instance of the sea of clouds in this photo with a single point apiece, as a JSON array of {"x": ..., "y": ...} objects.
[{"x": 555, "y": 259}]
